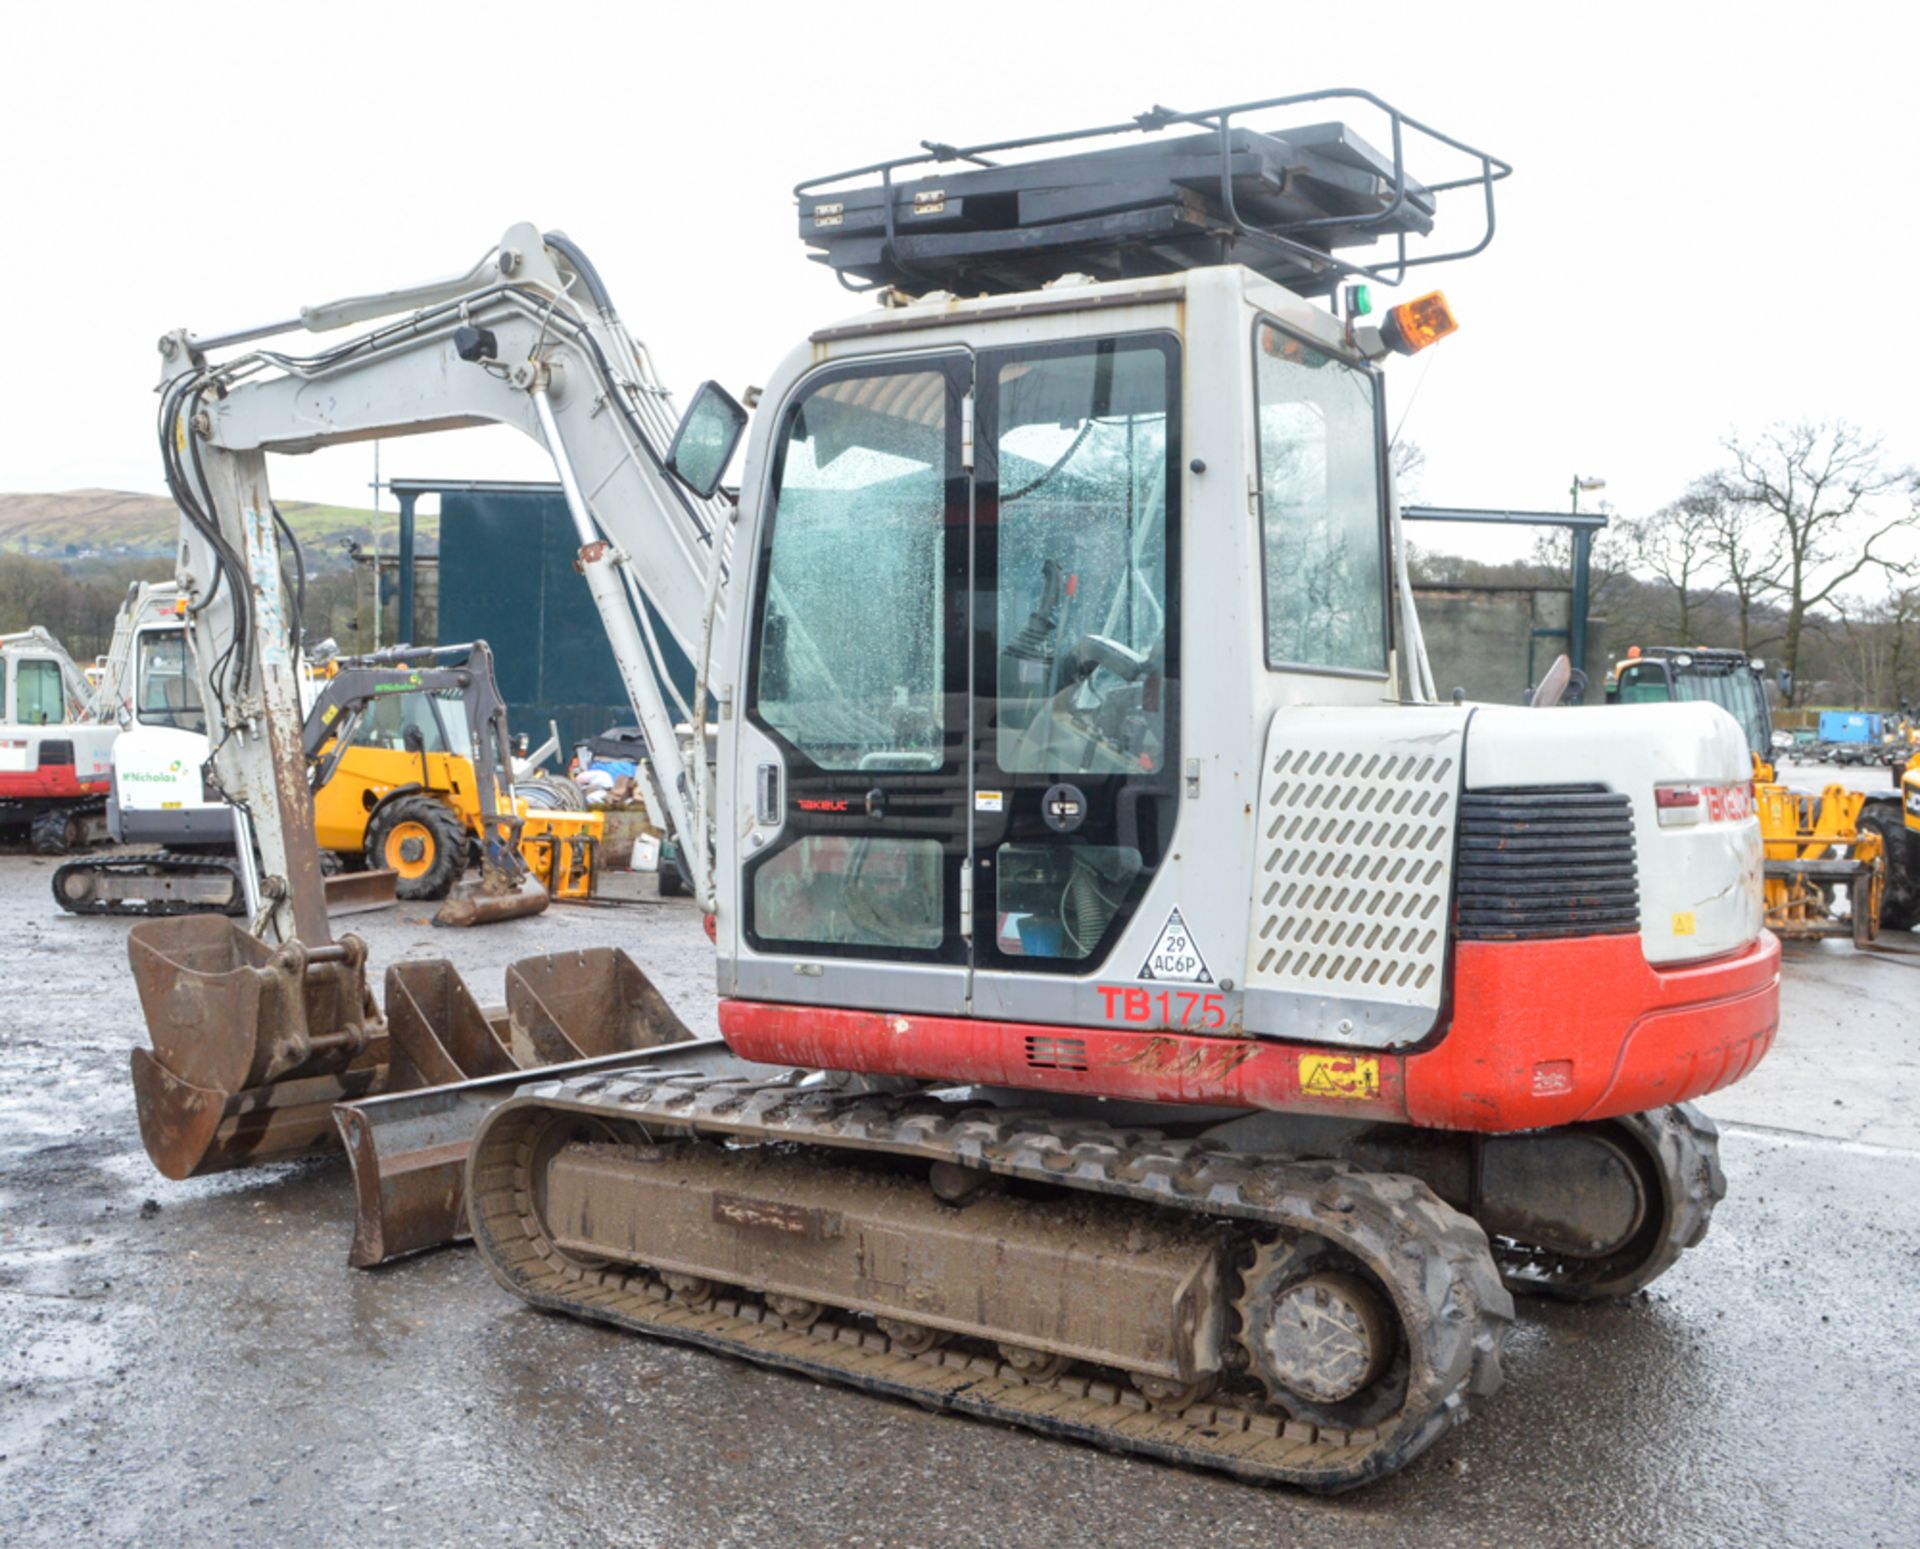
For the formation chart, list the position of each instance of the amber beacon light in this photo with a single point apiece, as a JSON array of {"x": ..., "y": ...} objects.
[{"x": 1413, "y": 325}]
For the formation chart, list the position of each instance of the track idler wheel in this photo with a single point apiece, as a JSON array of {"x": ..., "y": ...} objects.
[
  {"x": 693, "y": 1290},
  {"x": 1170, "y": 1397}
]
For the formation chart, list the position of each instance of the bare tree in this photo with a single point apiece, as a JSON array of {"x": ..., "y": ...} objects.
[
  {"x": 1820, "y": 486},
  {"x": 1882, "y": 645},
  {"x": 1747, "y": 551},
  {"x": 1676, "y": 544},
  {"x": 1408, "y": 460}
]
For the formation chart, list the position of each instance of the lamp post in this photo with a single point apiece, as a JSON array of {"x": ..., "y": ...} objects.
[{"x": 1582, "y": 578}]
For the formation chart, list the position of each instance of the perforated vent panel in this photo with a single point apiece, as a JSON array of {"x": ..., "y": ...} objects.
[{"x": 1353, "y": 872}]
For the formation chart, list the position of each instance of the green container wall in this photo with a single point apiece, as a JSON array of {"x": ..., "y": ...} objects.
[{"x": 507, "y": 577}]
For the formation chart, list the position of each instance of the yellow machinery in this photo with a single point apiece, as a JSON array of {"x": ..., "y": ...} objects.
[
  {"x": 394, "y": 744},
  {"x": 1815, "y": 846},
  {"x": 403, "y": 794}
]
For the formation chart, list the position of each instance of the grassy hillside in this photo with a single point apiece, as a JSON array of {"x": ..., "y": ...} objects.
[{"x": 92, "y": 523}]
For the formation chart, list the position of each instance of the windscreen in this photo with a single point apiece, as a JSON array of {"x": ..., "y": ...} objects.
[
  {"x": 166, "y": 693},
  {"x": 1082, "y": 556},
  {"x": 1320, "y": 514},
  {"x": 1734, "y": 690}
]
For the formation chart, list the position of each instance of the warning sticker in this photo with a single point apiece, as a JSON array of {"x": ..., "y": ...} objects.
[
  {"x": 989, "y": 801},
  {"x": 1339, "y": 1075},
  {"x": 1175, "y": 956}
]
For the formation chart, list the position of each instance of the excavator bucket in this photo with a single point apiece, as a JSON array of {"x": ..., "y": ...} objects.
[
  {"x": 439, "y": 1033},
  {"x": 573, "y": 1011},
  {"x": 487, "y": 904},
  {"x": 581, "y": 1005},
  {"x": 252, "y": 1043}
]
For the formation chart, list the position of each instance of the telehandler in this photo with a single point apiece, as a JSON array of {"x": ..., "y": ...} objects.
[{"x": 1149, "y": 1015}]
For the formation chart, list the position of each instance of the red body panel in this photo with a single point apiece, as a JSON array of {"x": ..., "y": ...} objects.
[
  {"x": 50, "y": 782},
  {"x": 1542, "y": 1033}
]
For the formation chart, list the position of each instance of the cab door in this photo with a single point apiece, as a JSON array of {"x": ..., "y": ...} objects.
[
  {"x": 857, "y": 710},
  {"x": 1076, "y": 708}
]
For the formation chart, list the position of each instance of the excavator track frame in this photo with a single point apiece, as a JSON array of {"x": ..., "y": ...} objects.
[
  {"x": 165, "y": 867},
  {"x": 1433, "y": 1262}
]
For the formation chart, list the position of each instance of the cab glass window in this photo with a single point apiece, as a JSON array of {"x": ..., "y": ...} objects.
[
  {"x": 1323, "y": 539},
  {"x": 864, "y": 890},
  {"x": 40, "y": 698},
  {"x": 385, "y": 723},
  {"x": 851, "y": 660},
  {"x": 1642, "y": 686},
  {"x": 165, "y": 692},
  {"x": 1735, "y": 690},
  {"x": 1082, "y": 468}
]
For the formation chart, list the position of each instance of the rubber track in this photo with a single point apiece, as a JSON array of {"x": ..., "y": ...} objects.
[
  {"x": 1434, "y": 1261},
  {"x": 151, "y": 863},
  {"x": 1683, "y": 1146},
  {"x": 41, "y": 831}
]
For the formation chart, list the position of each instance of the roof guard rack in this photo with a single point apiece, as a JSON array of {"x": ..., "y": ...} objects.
[{"x": 1280, "y": 201}]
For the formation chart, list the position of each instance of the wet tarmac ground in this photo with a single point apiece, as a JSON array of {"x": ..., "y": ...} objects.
[{"x": 195, "y": 1364}]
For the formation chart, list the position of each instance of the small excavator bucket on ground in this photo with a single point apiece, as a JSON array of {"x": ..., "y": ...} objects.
[
  {"x": 486, "y": 902},
  {"x": 581, "y": 1005},
  {"x": 573, "y": 1011},
  {"x": 252, "y": 1043},
  {"x": 440, "y": 1033}
]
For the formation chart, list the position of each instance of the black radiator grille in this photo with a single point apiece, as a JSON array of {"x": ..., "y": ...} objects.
[{"x": 1546, "y": 861}]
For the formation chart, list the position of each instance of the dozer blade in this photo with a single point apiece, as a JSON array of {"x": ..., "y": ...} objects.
[
  {"x": 251, "y": 1042},
  {"x": 453, "y": 1061},
  {"x": 408, "y": 1150},
  {"x": 360, "y": 892},
  {"x": 484, "y": 905}
]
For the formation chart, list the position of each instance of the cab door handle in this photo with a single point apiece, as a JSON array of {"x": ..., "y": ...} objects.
[{"x": 766, "y": 795}]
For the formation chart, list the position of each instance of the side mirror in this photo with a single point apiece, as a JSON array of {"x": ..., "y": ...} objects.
[{"x": 704, "y": 444}]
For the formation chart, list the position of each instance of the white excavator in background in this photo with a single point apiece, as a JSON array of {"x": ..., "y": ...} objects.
[
  {"x": 55, "y": 746},
  {"x": 1149, "y": 1016},
  {"x": 148, "y": 686}
]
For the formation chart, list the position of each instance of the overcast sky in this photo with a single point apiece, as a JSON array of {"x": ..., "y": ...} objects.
[{"x": 1712, "y": 223}]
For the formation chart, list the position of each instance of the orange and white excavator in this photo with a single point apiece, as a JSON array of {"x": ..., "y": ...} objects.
[
  {"x": 1149, "y": 1015},
  {"x": 56, "y": 745}
]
